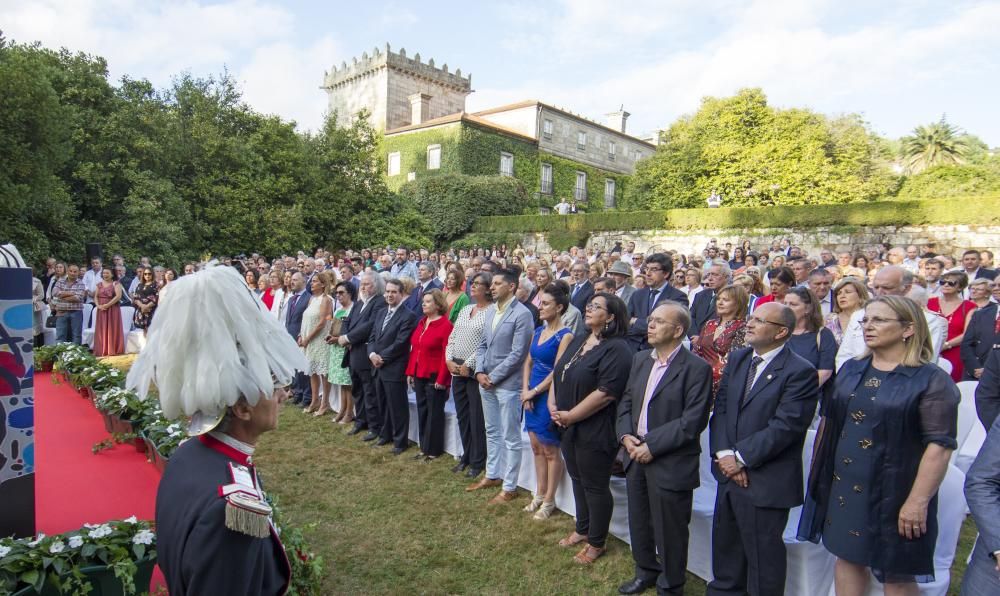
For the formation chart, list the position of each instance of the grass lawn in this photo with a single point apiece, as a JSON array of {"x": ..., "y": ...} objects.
[{"x": 391, "y": 525}]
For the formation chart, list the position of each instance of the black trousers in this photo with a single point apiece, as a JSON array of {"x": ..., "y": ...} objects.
[
  {"x": 396, "y": 410},
  {"x": 471, "y": 424},
  {"x": 361, "y": 385},
  {"x": 589, "y": 467},
  {"x": 748, "y": 553},
  {"x": 658, "y": 522},
  {"x": 430, "y": 415}
]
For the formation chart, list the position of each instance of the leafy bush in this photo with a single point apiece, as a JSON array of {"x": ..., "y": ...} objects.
[
  {"x": 451, "y": 202},
  {"x": 975, "y": 210}
]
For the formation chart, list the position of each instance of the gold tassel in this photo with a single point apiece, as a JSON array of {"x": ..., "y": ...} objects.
[{"x": 248, "y": 515}]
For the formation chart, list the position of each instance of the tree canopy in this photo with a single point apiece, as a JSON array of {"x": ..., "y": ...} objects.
[
  {"x": 754, "y": 154},
  {"x": 178, "y": 173},
  {"x": 934, "y": 144}
]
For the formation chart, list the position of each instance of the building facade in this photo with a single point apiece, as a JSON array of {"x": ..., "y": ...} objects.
[{"x": 421, "y": 110}]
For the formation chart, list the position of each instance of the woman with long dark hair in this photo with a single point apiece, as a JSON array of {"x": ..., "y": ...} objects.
[{"x": 589, "y": 380}]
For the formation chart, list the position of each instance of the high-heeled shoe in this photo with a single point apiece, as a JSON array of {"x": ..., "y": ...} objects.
[
  {"x": 544, "y": 511},
  {"x": 536, "y": 501},
  {"x": 346, "y": 420},
  {"x": 323, "y": 410}
]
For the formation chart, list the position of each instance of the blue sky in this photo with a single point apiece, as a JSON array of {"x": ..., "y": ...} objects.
[{"x": 898, "y": 63}]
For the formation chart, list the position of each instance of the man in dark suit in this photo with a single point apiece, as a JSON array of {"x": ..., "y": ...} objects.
[
  {"x": 658, "y": 269},
  {"x": 763, "y": 408},
  {"x": 389, "y": 351},
  {"x": 357, "y": 327},
  {"x": 426, "y": 280},
  {"x": 703, "y": 308},
  {"x": 297, "y": 305},
  {"x": 988, "y": 390},
  {"x": 660, "y": 419},
  {"x": 978, "y": 341},
  {"x": 581, "y": 289},
  {"x": 972, "y": 263}
]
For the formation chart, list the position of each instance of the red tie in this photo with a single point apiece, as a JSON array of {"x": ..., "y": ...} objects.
[{"x": 996, "y": 328}]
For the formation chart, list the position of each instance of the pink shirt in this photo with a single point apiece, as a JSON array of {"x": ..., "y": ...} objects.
[{"x": 655, "y": 375}]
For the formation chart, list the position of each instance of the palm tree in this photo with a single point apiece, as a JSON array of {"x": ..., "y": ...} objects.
[{"x": 934, "y": 144}]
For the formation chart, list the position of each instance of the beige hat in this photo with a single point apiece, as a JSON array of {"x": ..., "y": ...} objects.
[{"x": 620, "y": 268}]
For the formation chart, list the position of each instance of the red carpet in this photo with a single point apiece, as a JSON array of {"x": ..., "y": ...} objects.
[{"x": 73, "y": 486}]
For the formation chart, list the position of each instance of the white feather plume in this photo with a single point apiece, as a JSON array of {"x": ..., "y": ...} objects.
[{"x": 211, "y": 342}]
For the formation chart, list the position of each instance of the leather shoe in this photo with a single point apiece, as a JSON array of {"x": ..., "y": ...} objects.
[
  {"x": 472, "y": 473},
  {"x": 503, "y": 497},
  {"x": 397, "y": 450},
  {"x": 459, "y": 467},
  {"x": 484, "y": 483},
  {"x": 381, "y": 442},
  {"x": 636, "y": 586},
  {"x": 356, "y": 430},
  {"x": 369, "y": 437}
]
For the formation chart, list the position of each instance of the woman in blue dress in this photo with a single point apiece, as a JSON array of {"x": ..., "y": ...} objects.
[{"x": 547, "y": 345}]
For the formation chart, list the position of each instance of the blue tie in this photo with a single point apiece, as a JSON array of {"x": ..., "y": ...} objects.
[{"x": 652, "y": 298}]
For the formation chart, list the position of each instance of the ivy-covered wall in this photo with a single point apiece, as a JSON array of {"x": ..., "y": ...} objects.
[{"x": 467, "y": 148}]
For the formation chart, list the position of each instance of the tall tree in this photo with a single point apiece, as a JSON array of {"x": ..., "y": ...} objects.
[{"x": 934, "y": 144}]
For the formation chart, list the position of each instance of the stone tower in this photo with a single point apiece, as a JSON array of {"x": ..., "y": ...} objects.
[{"x": 396, "y": 89}]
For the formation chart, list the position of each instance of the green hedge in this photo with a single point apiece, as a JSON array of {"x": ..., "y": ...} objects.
[{"x": 984, "y": 210}]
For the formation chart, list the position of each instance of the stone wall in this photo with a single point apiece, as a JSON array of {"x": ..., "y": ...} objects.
[{"x": 946, "y": 239}]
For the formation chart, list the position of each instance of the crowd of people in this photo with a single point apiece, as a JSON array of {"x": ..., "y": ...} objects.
[{"x": 616, "y": 361}]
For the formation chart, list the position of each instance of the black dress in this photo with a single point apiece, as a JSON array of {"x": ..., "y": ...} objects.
[
  {"x": 847, "y": 534},
  {"x": 589, "y": 445}
]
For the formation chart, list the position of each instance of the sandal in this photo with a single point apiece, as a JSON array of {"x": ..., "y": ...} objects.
[
  {"x": 535, "y": 503},
  {"x": 589, "y": 554},
  {"x": 572, "y": 540},
  {"x": 545, "y": 510}
]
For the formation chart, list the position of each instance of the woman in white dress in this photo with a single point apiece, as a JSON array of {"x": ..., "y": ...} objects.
[{"x": 312, "y": 338}]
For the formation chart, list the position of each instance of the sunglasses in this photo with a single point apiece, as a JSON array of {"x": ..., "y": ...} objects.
[{"x": 950, "y": 283}]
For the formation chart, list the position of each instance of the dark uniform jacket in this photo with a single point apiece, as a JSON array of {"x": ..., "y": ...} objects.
[{"x": 197, "y": 553}]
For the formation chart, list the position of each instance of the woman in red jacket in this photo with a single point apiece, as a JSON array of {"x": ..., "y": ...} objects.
[{"x": 428, "y": 374}]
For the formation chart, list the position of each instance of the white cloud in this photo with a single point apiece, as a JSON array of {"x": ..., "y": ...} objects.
[
  {"x": 787, "y": 53},
  {"x": 254, "y": 40}
]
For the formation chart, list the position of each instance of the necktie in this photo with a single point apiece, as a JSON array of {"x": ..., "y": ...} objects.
[
  {"x": 711, "y": 305},
  {"x": 295, "y": 298},
  {"x": 388, "y": 315},
  {"x": 750, "y": 377},
  {"x": 996, "y": 327},
  {"x": 576, "y": 289},
  {"x": 652, "y": 298}
]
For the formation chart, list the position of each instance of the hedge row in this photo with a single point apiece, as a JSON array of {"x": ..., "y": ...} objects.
[{"x": 983, "y": 210}]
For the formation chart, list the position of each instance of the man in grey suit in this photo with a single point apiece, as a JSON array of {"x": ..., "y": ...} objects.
[
  {"x": 660, "y": 419},
  {"x": 499, "y": 362},
  {"x": 982, "y": 492}
]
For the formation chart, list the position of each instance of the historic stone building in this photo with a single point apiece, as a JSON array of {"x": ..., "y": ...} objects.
[{"x": 421, "y": 109}]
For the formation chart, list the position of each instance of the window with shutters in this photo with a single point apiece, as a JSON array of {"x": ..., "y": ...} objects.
[
  {"x": 609, "y": 193},
  {"x": 580, "y": 191},
  {"x": 546, "y": 178},
  {"x": 433, "y": 157},
  {"x": 506, "y": 164}
]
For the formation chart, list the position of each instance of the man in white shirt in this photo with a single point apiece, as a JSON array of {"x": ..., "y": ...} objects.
[
  {"x": 892, "y": 280},
  {"x": 91, "y": 277},
  {"x": 562, "y": 207},
  {"x": 912, "y": 260},
  {"x": 820, "y": 281}
]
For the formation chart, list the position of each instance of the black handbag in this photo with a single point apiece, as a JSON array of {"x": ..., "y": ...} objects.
[{"x": 50, "y": 321}]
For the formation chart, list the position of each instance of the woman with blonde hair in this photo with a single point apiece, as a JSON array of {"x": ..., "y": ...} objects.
[
  {"x": 596, "y": 271},
  {"x": 980, "y": 291},
  {"x": 882, "y": 450},
  {"x": 315, "y": 327},
  {"x": 849, "y": 295}
]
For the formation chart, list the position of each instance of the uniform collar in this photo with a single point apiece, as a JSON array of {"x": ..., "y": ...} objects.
[{"x": 235, "y": 450}]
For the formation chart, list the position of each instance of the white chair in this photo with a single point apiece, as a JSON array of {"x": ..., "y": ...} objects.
[
  {"x": 945, "y": 365},
  {"x": 966, "y": 413},
  {"x": 128, "y": 312},
  {"x": 48, "y": 333},
  {"x": 89, "y": 317}
]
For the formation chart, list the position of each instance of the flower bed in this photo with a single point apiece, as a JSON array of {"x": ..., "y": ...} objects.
[{"x": 116, "y": 557}]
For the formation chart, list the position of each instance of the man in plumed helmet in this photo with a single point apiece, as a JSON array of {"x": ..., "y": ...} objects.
[{"x": 218, "y": 358}]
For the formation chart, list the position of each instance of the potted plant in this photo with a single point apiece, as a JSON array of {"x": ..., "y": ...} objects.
[{"x": 113, "y": 558}]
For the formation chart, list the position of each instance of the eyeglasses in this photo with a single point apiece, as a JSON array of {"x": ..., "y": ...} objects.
[
  {"x": 652, "y": 269},
  {"x": 878, "y": 321},
  {"x": 595, "y": 306},
  {"x": 761, "y": 321},
  {"x": 949, "y": 282},
  {"x": 340, "y": 292}
]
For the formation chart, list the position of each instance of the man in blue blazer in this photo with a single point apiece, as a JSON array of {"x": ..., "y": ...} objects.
[
  {"x": 426, "y": 280},
  {"x": 389, "y": 352},
  {"x": 658, "y": 268},
  {"x": 581, "y": 289},
  {"x": 297, "y": 305},
  {"x": 765, "y": 403},
  {"x": 353, "y": 336},
  {"x": 978, "y": 341},
  {"x": 982, "y": 493}
]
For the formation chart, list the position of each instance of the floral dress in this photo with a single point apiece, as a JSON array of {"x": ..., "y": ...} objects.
[
  {"x": 145, "y": 294},
  {"x": 715, "y": 350},
  {"x": 339, "y": 375},
  {"x": 317, "y": 351}
]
